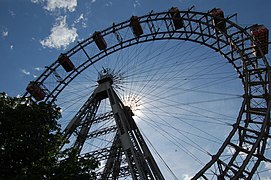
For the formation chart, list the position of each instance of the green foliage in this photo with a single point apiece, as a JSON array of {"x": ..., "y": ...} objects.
[
  {"x": 29, "y": 143},
  {"x": 74, "y": 167}
]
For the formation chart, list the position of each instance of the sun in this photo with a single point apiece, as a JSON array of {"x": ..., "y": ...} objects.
[{"x": 135, "y": 104}]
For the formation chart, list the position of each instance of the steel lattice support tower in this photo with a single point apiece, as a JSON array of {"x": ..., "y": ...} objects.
[
  {"x": 249, "y": 134},
  {"x": 128, "y": 139}
]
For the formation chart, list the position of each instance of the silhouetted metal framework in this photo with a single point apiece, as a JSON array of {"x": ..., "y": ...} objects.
[
  {"x": 234, "y": 44},
  {"x": 128, "y": 139}
]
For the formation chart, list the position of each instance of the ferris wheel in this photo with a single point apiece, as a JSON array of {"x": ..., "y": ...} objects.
[{"x": 165, "y": 95}]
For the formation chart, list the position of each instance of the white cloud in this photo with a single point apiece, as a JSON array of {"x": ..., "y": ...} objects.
[
  {"x": 231, "y": 150},
  {"x": 61, "y": 35},
  {"x": 12, "y": 13},
  {"x": 265, "y": 178},
  {"x": 81, "y": 17},
  {"x": 82, "y": 20},
  {"x": 136, "y": 3},
  {"x": 61, "y": 4},
  {"x": 84, "y": 25},
  {"x": 52, "y": 5},
  {"x": 25, "y": 72},
  {"x": 267, "y": 165},
  {"x": 93, "y": 1},
  {"x": 4, "y": 33},
  {"x": 11, "y": 47},
  {"x": 109, "y": 3},
  {"x": 38, "y": 68},
  {"x": 37, "y": 1},
  {"x": 187, "y": 177}
]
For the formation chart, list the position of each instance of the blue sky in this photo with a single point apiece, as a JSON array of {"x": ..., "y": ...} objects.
[
  {"x": 28, "y": 39},
  {"x": 34, "y": 32}
]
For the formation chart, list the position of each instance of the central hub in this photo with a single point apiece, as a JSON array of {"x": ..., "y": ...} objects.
[{"x": 105, "y": 76}]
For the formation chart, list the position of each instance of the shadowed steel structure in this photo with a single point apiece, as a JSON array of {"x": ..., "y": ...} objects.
[{"x": 128, "y": 153}]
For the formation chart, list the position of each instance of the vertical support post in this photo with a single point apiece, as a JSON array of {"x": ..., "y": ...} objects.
[
  {"x": 140, "y": 160},
  {"x": 128, "y": 137}
]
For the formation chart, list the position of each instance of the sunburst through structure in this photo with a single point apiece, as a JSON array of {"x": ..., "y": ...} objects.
[{"x": 179, "y": 93}]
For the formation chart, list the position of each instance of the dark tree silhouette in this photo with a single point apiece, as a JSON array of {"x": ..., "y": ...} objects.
[{"x": 29, "y": 143}]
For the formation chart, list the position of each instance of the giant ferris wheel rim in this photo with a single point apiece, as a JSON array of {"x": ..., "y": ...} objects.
[
  {"x": 190, "y": 17},
  {"x": 125, "y": 24}
]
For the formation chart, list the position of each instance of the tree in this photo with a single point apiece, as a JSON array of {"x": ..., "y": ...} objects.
[
  {"x": 30, "y": 138},
  {"x": 74, "y": 167}
]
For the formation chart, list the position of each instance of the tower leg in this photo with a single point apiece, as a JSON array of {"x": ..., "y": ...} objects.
[
  {"x": 140, "y": 160},
  {"x": 128, "y": 138}
]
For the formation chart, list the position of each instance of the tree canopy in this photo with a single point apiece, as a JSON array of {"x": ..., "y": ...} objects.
[{"x": 30, "y": 138}]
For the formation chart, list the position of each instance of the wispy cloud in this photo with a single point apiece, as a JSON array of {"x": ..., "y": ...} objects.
[
  {"x": 265, "y": 178},
  {"x": 52, "y": 5},
  {"x": 11, "y": 47},
  {"x": 187, "y": 177},
  {"x": 81, "y": 17},
  {"x": 267, "y": 165},
  {"x": 4, "y": 33},
  {"x": 28, "y": 73},
  {"x": 12, "y": 13},
  {"x": 61, "y": 35},
  {"x": 61, "y": 4},
  {"x": 93, "y": 1},
  {"x": 81, "y": 20},
  {"x": 37, "y": 1},
  {"x": 109, "y": 3},
  {"x": 231, "y": 150},
  {"x": 25, "y": 72},
  {"x": 136, "y": 3},
  {"x": 38, "y": 68}
]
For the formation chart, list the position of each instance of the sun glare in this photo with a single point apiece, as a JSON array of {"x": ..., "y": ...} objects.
[{"x": 135, "y": 104}]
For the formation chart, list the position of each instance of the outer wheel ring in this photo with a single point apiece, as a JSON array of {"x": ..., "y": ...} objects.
[{"x": 235, "y": 46}]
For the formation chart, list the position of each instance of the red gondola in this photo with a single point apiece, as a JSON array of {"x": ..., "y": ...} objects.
[
  {"x": 135, "y": 25},
  {"x": 218, "y": 20},
  {"x": 99, "y": 40},
  {"x": 36, "y": 91},
  {"x": 260, "y": 33},
  {"x": 176, "y": 18},
  {"x": 66, "y": 63}
]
